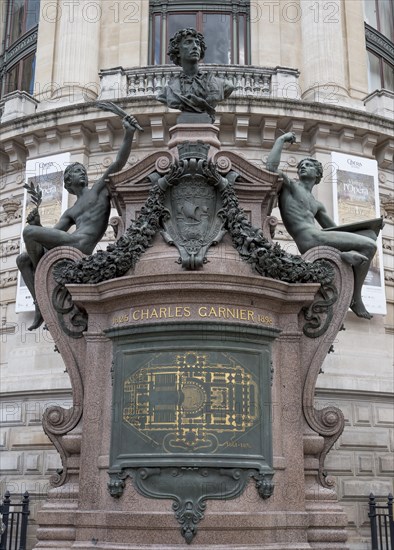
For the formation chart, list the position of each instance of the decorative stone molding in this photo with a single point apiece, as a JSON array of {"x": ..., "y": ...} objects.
[
  {"x": 16, "y": 153},
  {"x": 17, "y": 105},
  {"x": 389, "y": 276},
  {"x": 25, "y": 45},
  {"x": 388, "y": 207},
  {"x": 388, "y": 245},
  {"x": 379, "y": 44},
  {"x": 381, "y": 103},
  {"x": 384, "y": 153},
  {"x": 105, "y": 134},
  {"x": 12, "y": 208},
  {"x": 8, "y": 278},
  {"x": 12, "y": 246}
]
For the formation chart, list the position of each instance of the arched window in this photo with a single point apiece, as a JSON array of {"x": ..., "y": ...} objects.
[
  {"x": 225, "y": 26},
  {"x": 18, "y": 63},
  {"x": 379, "y": 35}
]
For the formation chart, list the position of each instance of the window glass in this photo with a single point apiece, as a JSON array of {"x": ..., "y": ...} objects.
[
  {"x": 242, "y": 40},
  {"x": 217, "y": 33},
  {"x": 156, "y": 40},
  {"x": 32, "y": 13},
  {"x": 17, "y": 17},
  {"x": 27, "y": 81},
  {"x": 388, "y": 76},
  {"x": 12, "y": 80},
  {"x": 370, "y": 13},
  {"x": 374, "y": 72},
  {"x": 386, "y": 18},
  {"x": 177, "y": 21},
  {"x": 223, "y": 23}
]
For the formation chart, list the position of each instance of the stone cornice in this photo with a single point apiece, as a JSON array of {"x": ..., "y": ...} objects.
[
  {"x": 348, "y": 394},
  {"x": 311, "y": 111}
]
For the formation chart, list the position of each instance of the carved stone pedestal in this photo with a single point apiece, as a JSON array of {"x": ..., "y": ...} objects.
[
  {"x": 258, "y": 328},
  {"x": 193, "y": 347}
]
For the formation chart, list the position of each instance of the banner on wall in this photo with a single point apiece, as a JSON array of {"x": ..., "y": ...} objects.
[
  {"x": 356, "y": 198},
  {"x": 47, "y": 172}
]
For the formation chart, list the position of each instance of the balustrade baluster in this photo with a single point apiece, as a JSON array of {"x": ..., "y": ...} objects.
[{"x": 132, "y": 87}]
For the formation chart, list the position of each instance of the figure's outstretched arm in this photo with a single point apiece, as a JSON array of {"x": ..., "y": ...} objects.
[
  {"x": 273, "y": 159},
  {"x": 129, "y": 124}
]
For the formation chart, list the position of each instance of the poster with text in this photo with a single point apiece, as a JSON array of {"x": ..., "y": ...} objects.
[
  {"x": 356, "y": 198},
  {"x": 47, "y": 172}
]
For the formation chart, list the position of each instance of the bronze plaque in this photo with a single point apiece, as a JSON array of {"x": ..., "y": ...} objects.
[{"x": 192, "y": 393}]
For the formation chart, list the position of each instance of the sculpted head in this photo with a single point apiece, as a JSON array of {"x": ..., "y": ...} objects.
[
  {"x": 174, "y": 47},
  {"x": 74, "y": 172},
  {"x": 308, "y": 165}
]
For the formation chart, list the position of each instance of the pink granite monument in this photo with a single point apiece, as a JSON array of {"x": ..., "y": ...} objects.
[{"x": 193, "y": 345}]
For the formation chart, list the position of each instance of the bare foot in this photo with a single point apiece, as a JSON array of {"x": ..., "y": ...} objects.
[
  {"x": 38, "y": 319},
  {"x": 353, "y": 258},
  {"x": 358, "y": 308}
]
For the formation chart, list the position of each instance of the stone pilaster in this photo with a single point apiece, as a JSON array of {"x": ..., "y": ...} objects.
[
  {"x": 322, "y": 29},
  {"x": 77, "y": 57}
]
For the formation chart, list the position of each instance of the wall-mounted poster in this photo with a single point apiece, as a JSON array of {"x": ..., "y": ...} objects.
[
  {"x": 47, "y": 172},
  {"x": 356, "y": 198}
]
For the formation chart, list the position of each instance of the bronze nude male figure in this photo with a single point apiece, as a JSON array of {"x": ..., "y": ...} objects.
[
  {"x": 193, "y": 91},
  {"x": 299, "y": 210},
  {"x": 89, "y": 214}
]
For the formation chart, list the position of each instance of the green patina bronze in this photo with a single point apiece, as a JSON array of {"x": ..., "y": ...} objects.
[
  {"x": 89, "y": 214},
  {"x": 193, "y": 91},
  {"x": 191, "y": 413},
  {"x": 299, "y": 210}
]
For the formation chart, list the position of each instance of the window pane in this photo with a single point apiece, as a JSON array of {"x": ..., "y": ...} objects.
[
  {"x": 386, "y": 18},
  {"x": 178, "y": 21},
  {"x": 12, "y": 80},
  {"x": 32, "y": 13},
  {"x": 17, "y": 14},
  {"x": 242, "y": 40},
  {"x": 374, "y": 78},
  {"x": 370, "y": 13},
  {"x": 217, "y": 33},
  {"x": 27, "y": 83},
  {"x": 388, "y": 76},
  {"x": 157, "y": 40}
]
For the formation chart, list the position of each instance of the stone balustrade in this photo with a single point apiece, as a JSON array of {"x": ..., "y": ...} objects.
[{"x": 249, "y": 81}]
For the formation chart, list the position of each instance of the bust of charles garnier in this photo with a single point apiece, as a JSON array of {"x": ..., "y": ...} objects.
[{"x": 192, "y": 90}]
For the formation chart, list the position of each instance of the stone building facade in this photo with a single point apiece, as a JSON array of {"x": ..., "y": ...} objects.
[{"x": 319, "y": 69}]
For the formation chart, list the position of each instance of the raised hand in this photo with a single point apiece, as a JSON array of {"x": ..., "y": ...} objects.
[
  {"x": 130, "y": 123},
  {"x": 33, "y": 217},
  {"x": 289, "y": 137}
]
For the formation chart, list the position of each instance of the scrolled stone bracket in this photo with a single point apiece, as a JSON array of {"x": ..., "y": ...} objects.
[
  {"x": 327, "y": 312},
  {"x": 57, "y": 421}
]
